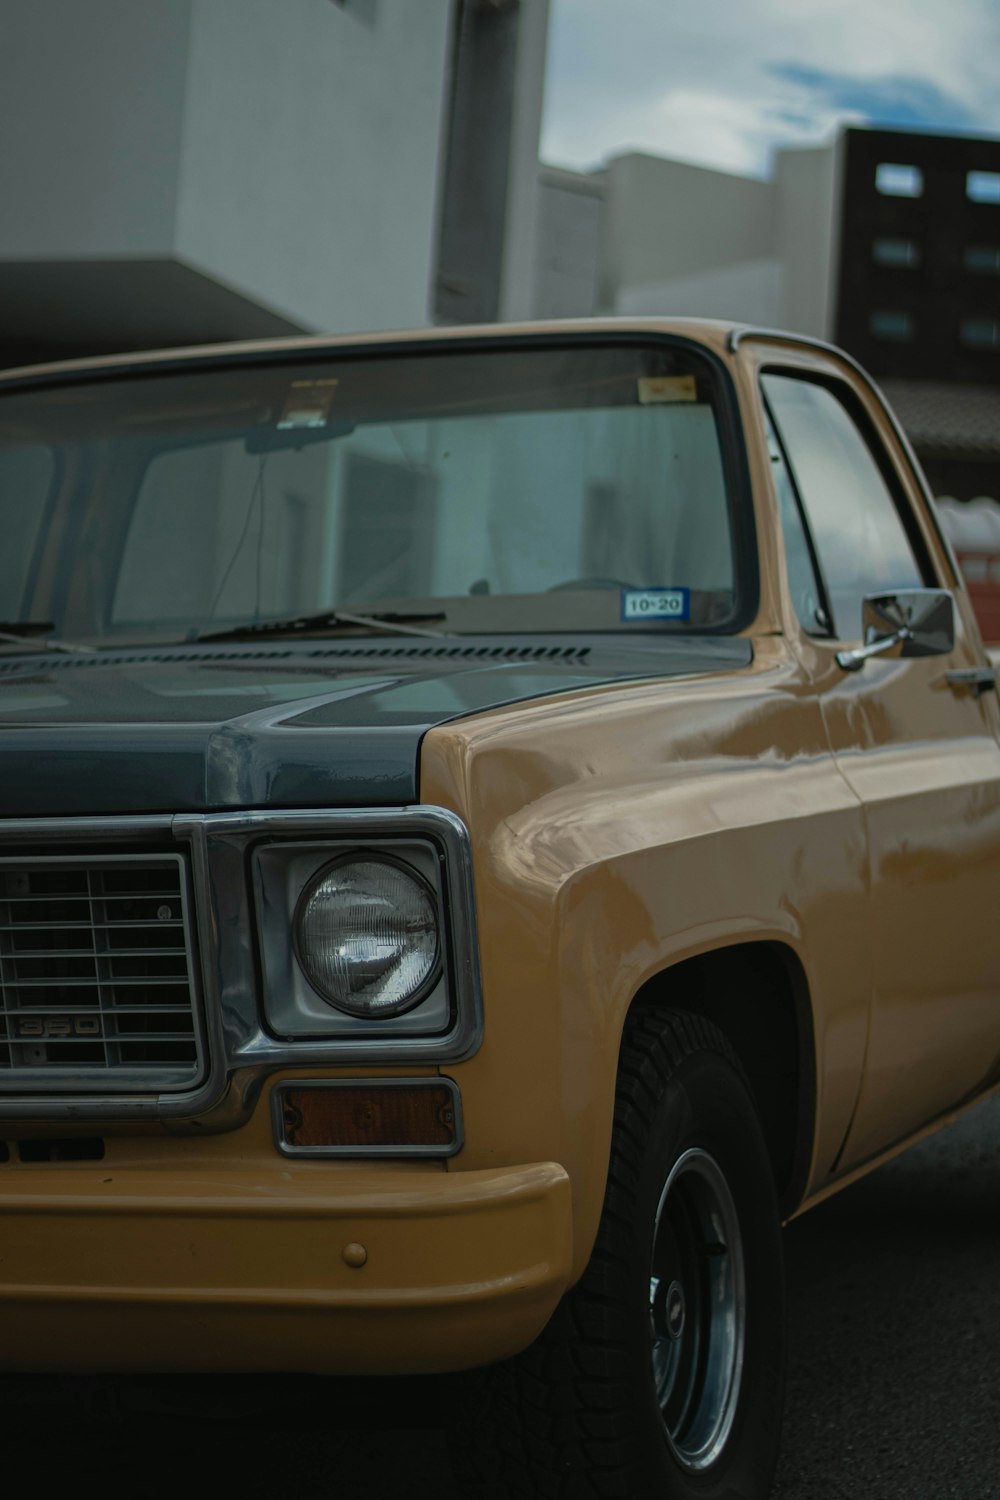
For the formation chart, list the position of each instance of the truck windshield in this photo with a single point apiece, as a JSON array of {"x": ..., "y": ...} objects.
[{"x": 516, "y": 489}]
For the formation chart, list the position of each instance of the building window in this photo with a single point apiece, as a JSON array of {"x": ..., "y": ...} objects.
[
  {"x": 887, "y": 324},
  {"x": 983, "y": 187},
  {"x": 897, "y": 180},
  {"x": 982, "y": 258},
  {"x": 981, "y": 333},
  {"x": 904, "y": 253}
]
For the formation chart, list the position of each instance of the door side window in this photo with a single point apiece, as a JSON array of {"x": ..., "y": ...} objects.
[{"x": 860, "y": 541}]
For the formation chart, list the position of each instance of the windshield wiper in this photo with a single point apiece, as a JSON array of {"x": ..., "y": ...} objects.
[
  {"x": 24, "y": 633},
  {"x": 392, "y": 622}
]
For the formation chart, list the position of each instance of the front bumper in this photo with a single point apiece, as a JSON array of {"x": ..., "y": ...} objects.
[{"x": 147, "y": 1270}]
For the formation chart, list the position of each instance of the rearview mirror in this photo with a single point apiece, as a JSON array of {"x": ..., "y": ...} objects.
[{"x": 913, "y": 622}]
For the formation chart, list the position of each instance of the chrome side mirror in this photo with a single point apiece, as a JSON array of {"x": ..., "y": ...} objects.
[{"x": 914, "y": 622}]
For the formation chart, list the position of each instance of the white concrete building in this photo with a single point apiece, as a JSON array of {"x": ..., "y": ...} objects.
[
  {"x": 178, "y": 170},
  {"x": 648, "y": 235},
  {"x": 885, "y": 242}
]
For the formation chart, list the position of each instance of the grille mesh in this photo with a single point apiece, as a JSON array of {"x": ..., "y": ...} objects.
[{"x": 95, "y": 974}]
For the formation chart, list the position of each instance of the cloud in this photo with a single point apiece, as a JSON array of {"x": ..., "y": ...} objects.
[
  {"x": 910, "y": 103},
  {"x": 723, "y": 83},
  {"x": 729, "y": 133}
]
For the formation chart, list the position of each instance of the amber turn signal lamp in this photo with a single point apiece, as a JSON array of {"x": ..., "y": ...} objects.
[{"x": 385, "y": 1118}]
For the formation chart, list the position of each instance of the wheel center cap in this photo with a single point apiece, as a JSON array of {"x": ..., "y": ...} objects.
[{"x": 674, "y": 1310}]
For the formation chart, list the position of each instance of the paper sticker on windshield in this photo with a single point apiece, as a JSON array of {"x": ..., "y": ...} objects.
[
  {"x": 664, "y": 390},
  {"x": 656, "y": 604},
  {"x": 307, "y": 404}
]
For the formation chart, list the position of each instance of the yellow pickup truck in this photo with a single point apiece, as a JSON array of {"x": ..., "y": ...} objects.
[{"x": 491, "y": 823}]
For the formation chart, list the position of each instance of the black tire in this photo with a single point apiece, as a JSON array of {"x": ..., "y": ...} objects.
[{"x": 578, "y": 1415}]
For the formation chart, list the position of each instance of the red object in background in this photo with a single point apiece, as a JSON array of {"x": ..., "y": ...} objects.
[{"x": 982, "y": 578}]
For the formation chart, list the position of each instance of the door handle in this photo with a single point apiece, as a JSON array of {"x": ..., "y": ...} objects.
[{"x": 978, "y": 680}]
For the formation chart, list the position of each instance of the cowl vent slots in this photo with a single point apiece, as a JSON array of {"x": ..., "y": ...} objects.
[{"x": 466, "y": 651}]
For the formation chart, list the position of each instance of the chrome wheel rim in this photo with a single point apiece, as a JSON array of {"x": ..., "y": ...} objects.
[{"x": 697, "y": 1309}]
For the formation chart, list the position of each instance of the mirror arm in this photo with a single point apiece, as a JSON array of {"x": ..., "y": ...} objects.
[{"x": 854, "y": 660}]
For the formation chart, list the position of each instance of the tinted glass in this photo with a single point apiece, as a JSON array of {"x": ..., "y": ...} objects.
[
  {"x": 515, "y": 490},
  {"x": 802, "y": 583},
  {"x": 25, "y": 483},
  {"x": 856, "y": 529}
]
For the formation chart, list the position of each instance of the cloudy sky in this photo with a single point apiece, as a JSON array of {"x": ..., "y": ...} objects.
[{"x": 722, "y": 83}]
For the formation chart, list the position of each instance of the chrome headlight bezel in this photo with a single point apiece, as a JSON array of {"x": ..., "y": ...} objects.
[
  {"x": 445, "y": 1023},
  {"x": 306, "y": 963}
]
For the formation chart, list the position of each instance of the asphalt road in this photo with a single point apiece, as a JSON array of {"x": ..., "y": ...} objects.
[
  {"x": 894, "y": 1302},
  {"x": 894, "y": 1375}
]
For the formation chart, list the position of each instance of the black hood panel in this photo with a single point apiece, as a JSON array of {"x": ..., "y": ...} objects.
[{"x": 196, "y": 729}]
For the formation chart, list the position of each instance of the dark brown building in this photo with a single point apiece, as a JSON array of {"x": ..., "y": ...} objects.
[{"x": 918, "y": 292}]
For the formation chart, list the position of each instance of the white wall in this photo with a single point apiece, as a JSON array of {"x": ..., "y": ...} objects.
[
  {"x": 666, "y": 219},
  {"x": 650, "y": 236},
  {"x": 91, "y": 114},
  {"x": 310, "y": 155},
  {"x": 807, "y": 189},
  {"x": 279, "y": 158},
  {"x": 567, "y": 244},
  {"x": 520, "y": 232},
  {"x": 749, "y": 292}
]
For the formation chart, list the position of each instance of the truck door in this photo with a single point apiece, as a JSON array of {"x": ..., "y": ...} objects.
[{"x": 916, "y": 744}]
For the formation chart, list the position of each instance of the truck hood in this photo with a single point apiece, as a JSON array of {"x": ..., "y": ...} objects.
[{"x": 188, "y": 729}]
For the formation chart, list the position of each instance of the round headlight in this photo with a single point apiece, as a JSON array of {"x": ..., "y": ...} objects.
[{"x": 366, "y": 936}]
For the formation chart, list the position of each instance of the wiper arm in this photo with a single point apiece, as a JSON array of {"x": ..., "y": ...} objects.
[
  {"x": 393, "y": 623},
  {"x": 24, "y": 632}
]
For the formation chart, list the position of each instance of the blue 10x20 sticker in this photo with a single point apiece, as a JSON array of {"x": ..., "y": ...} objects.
[{"x": 656, "y": 604}]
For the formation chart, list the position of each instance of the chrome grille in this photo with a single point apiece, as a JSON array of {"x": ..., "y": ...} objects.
[{"x": 96, "y": 978}]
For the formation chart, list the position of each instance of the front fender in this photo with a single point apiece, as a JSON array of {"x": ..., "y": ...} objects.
[{"x": 615, "y": 834}]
